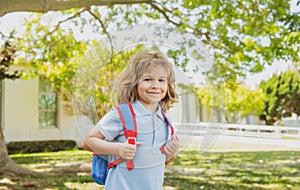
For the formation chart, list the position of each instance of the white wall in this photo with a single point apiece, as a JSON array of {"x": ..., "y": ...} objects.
[{"x": 20, "y": 115}]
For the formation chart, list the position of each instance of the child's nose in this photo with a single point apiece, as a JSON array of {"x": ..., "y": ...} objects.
[{"x": 155, "y": 84}]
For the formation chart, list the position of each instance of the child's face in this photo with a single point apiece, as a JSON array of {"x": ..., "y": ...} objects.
[{"x": 153, "y": 86}]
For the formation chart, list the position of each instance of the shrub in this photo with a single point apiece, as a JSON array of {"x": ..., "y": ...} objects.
[{"x": 40, "y": 146}]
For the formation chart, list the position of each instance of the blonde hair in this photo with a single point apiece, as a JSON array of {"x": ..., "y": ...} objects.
[{"x": 135, "y": 68}]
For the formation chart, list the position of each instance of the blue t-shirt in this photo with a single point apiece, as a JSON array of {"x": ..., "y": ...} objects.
[{"x": 149, "y": 162}]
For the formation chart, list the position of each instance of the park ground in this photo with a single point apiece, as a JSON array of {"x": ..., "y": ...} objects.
[{"x": 214, "y": 162}]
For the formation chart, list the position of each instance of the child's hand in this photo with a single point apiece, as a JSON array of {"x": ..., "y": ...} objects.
[
  {"x": 171, "y": 148},
  {"x": 127, "y": 151}
]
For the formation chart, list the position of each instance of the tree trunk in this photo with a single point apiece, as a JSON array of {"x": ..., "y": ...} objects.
[
  {"x": 7, "y": 166},
  {"x": 8, "y": 6}
]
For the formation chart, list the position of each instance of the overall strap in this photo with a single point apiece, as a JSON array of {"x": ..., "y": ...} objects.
[{"x": 129, "y": 125}]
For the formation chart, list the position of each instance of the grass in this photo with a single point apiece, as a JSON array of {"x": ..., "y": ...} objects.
[
  {"x": 190, "y": 170},
  {"x": 236, "y": 170}
]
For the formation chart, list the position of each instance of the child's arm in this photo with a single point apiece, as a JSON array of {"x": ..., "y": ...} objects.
[
  {"x": 85, "y": 144},
  {"x": 94, "y": 142},
  {"x": 171, "y": 149}
]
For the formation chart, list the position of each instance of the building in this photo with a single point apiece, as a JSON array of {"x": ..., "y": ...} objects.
[{"x": 31, "y": 111}]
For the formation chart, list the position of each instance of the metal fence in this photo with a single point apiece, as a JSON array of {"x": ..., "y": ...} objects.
[{"x": 243, "y": 130}]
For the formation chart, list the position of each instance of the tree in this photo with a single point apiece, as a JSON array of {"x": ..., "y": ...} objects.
[
  {"x": 283, "y": 96},
  {"x": 7, "y": 56},
  {"x": 242, "y": 36},
  {"x": 54, "y": 5},
  {"x": 235, "y": 101}
]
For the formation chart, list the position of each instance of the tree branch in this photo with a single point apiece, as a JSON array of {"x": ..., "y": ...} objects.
[
  {"x": 2, "y": 35},
  {"x": 43, "y": 6},
  {"x": 195, "y": 31},
  {"x": 75, "y": 15},
  {"x": 163, "y": 11},
  {"x": 104, "y": 31}
]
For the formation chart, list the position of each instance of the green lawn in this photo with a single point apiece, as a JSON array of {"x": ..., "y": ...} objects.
[{"x": 190, "y": 170}]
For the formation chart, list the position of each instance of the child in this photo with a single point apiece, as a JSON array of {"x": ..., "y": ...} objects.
[{"x": 148, "y": 84}]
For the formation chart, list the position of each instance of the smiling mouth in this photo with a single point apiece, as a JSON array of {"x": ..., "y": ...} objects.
[{"x": 153, "y": 92}]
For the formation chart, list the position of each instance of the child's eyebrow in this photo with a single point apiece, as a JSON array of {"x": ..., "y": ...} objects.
[
  {"x": 163, "y": 77},
  {"x": 160, "y": 77}
]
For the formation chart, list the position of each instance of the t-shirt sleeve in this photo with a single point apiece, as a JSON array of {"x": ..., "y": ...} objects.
[{"x": 110, "y": 125}]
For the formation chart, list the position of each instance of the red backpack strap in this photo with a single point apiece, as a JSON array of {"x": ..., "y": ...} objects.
[
  {"x": 129, "y": 125},
  {"x": 169, "y": 123},
  {"x": 162, "y": 150},
  {"x": 127, "y": 116}
]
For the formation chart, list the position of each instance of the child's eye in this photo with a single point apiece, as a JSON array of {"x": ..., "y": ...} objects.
[
  {"x": 162, "y": 80},
  {"x": 147, "y": 79}
]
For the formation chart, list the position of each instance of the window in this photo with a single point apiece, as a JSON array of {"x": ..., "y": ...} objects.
[{"x": 47, "y": 103}]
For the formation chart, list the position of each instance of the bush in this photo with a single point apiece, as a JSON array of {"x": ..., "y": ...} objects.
[{"x": 40, "y": 146}]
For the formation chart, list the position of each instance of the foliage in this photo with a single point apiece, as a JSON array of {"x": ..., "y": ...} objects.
[
  {"x": 236, "y": 101},
  {"x": 7, "y": 56},
  {"x": 95, "y": 80},
  {"x": 242, "y": 36},
  {"x": 190, "y": 170},
  {"x": 283, "y": 96},
  {"x": 53, "y": 54}
]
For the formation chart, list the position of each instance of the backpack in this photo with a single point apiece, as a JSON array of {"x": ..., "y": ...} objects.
[{"x": 100, "y": 166}]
